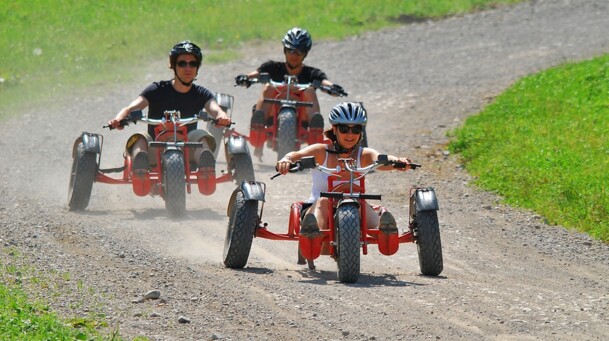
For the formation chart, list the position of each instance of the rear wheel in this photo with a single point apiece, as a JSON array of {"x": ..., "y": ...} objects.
[
  {"x": 348, "y": 236},
  {"x": 84, "y": 168},
  {"x": 429, "y": 245},
  {"x": 286, "y": 132},
  {"x": 174, "y": 183},
  {"x": 240, "y": 231}
]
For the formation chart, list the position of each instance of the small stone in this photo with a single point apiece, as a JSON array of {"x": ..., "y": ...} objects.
[
  {"x": 183, "y": 319},
  {"x": 152, "y": 295}
]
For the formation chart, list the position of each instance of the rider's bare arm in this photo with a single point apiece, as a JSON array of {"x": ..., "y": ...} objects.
[
  {"x": 317, "y": 150},
  {"x": 369, "y": 156},
  {"x": 216, "y": 112},
  {"x": 139, "y": 103}
]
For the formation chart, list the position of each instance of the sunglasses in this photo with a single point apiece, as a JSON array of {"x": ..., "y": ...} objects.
[
  {"x": 294, "y": 51},
  {"x": 344, "y": 129},
  {"x": 192, "y": 63}
]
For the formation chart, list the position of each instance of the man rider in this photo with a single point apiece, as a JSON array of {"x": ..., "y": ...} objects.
[
  {"x": 181, "y": 94},
  {"x": 296, "y": 45}
]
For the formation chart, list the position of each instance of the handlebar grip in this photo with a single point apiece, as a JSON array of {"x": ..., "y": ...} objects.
[
  {"x": 122, "y": 123},
  {"x": 215, "y": 121},
  {"x": 335, "y": 195}
]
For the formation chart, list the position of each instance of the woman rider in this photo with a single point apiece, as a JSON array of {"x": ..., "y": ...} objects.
[{"x": 347, "y": 120}]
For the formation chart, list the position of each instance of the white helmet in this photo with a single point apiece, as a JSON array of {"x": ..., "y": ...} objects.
[{"x": 348, "y": 113}]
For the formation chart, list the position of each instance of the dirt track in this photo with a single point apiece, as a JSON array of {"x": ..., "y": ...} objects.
[{"x": 507, "y": 275}]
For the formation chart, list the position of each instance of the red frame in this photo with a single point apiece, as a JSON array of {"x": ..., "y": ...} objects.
[
  {"x": 304, "y": 135},
  {"x": 150, "y": 183},
  {"x": 368, "y": 236}
]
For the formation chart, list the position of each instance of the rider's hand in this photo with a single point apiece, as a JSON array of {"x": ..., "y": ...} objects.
[
  {"x": 283, "y": 165},
  {"x": 115, "y": 124},
  {"x": 337, "y": 90},
  {"x": 405, "y": 161},
  {"x": 243, "y": 81},
  {"x": 222, "y": 120}
]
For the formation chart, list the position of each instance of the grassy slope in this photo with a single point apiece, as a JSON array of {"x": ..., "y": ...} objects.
[
  {"x": 49, "y": 45},
  {"x": 543, "y": 145}
]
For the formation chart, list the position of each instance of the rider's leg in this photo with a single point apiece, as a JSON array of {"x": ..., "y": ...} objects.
[
  {"x": 320, "y": 210},
  {"x": 267, "y": 92},
  {"x": 262, "y": 115},
  {"x": 372, "y": 218},
  {"x": 309, "y": 95},
  {"x": 313, "y": 113},
  {"x": 203, "y": 156},
  {"x": 137, "y": 147}
]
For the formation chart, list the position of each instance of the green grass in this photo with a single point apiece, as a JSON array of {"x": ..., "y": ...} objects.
[
  {"x": 53, "y": 47},
  {"x": 543, "y": 145},
  {"x": 23, "y": 318}
]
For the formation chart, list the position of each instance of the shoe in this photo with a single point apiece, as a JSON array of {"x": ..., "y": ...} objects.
[
  {"x": 317, "y": 121},
  {"x": 140, "y": 163},
  {"x": 388, "y": 224},
  {"x": 308, "y": 226},
  {"x": 269, "y": 122},
  {"x": 207, "y": 162},
  {"x": 257, "y": 121}
]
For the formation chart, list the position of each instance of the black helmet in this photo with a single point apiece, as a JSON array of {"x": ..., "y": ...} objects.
[
  {"x": 348, "y": 113},
  {"x": 299, "y": 39},
  {"x": 185, "y": 47}
]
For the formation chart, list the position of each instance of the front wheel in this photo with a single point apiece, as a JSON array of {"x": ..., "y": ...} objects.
[
  {"x": 429, "y": 246},
  {"x": 347, "y": 224},
  {"x": 174, "y": 183},
  {"x": 243, "y": 216},
  {"x": 243, "y": 167},
  {"x": 84, "y": 168},
  {"x": 286, "y": 132}
]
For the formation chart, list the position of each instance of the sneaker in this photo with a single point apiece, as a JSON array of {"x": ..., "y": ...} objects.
[
  {"x": 308, "y": 226},
  {"x": 269, "y": 122},
  {"x": 140, "y": 163},
  {"x": 257, "y": 121},
  {"x": 207, "y": 162},
  {"x": 388, "y": 224},
  {"x": 317, "y": 121}
]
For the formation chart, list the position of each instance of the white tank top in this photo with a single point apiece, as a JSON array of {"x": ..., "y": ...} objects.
[{"x": 320, "y": 179}]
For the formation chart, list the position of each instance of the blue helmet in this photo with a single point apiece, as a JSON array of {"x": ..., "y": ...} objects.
[{"x": 348, "y": 113}]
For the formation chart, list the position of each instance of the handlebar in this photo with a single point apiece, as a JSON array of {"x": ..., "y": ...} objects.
[
  {"x": 292, "y": 81},
  {"x": 309, "y": 162},
  {"x": 170, "y": 116}
]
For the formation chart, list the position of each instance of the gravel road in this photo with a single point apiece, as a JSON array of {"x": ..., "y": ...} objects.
[{"x": 507, "y": 274}]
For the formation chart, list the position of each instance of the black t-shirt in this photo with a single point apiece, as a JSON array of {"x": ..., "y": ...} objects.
[
  {"x": 162, "y": 96},
  {"x": 277, "y": 71}
]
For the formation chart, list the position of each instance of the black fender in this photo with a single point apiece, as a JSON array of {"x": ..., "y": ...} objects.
[
  {"x": 237, "y": 145},
  {"x": 425, "y": 200},
  {"x": 252, "y": 190},
  {"x": 91, "y": 142}
]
